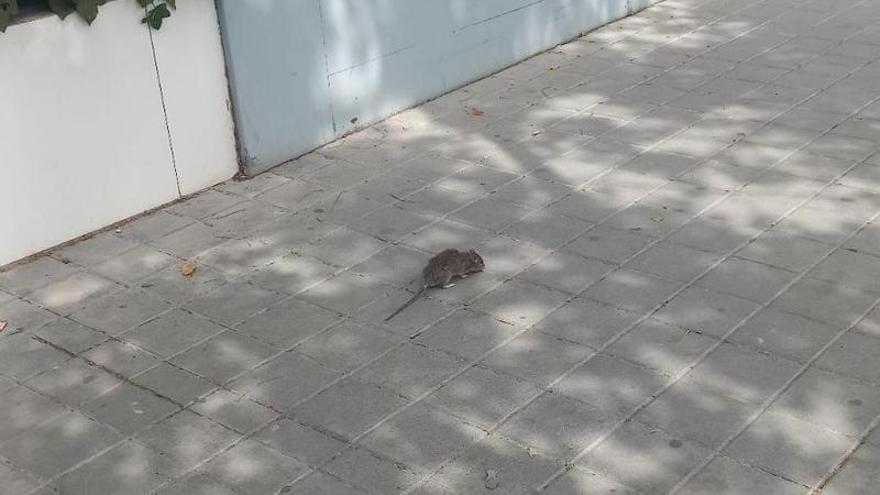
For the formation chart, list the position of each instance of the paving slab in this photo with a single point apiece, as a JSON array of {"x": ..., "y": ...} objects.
[{"x": 677, "y": 216}]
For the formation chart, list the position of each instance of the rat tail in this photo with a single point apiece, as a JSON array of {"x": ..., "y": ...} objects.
[{"x": 406, "y": 304}]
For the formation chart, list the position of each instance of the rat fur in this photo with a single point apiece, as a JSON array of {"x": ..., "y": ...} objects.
[{"x": 442, "y": 268}]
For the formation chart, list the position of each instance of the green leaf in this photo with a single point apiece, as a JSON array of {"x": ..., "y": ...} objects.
[
  {"x": 61, "y": 7},
  {"x": 144, "y": 3},
  {"x": 87, "y": 9},
  {"x": 172, "y": 4},
  {"x": 156, "y": 15},
  {"x": 8, "y": 10}
]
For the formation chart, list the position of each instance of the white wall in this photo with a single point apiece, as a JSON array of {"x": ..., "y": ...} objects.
[
  {"x": 84, "y": 140},
  {"x": 304, "y": 72}
]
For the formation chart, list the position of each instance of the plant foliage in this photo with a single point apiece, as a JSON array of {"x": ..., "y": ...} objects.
[{"x": 156, "y": 10}]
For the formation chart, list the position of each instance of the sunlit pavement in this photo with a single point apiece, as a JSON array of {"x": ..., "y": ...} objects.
[{"x": 676, "y": 216}]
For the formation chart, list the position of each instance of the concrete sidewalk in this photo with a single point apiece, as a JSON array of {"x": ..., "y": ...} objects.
[{"x": 682, "y": 273}]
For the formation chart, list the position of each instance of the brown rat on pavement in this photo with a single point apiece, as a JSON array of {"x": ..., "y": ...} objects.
[{"x": 442, "y": 268}]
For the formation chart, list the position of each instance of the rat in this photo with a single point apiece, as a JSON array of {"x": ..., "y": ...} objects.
[{"x": 442, "y": 268}]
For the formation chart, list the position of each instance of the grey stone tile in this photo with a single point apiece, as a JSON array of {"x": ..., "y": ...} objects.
[
  {"x": 243, "y": 218},
  {"x": 830, "y": 400},
  {"x": 224, "y": 356},
  {"x": 155, "y": 225},
  {"x": 662, "y": 459},
  {"x": 589, "y": 206},
  {"x": 567, "y": 272},
  {"x": 828, "y": 303},
  {"x": 577, "y": 481},
  {"x": 632, "y": 290},
  {"x": 742, "y": 374},
  {"x": 319, "y": 483},
  {"x": 240, "y": 257},
  {"x": 234, "y": 303},
  {"x": 673, "y": 261},
  {"x": 538, "y": 357},
  {"x": 345, "y": 248},
  {"x": 587, "y": 322},
  {"x": 490, "y": 214},
  {"x": 252, "y": 468},
  {"x": 134, "y": 264},
  {"x": 784, "y": 334},
  {"x": 424, "y": 312},
  {"x": 127, "y": 468},
  {"x": 735, "y": 478},
  {"x": 292, "y": 273},
  {"x": 23, "y": 411},
  {"x": 295, "y": 230},
  {"x": 611, "y": 385},
  {"x": 517, "y": 470},
  {"x": 300, "y": 442},
  {"x": 851, "y": 356},
  {"x": 121, "y": 357},
  {"x": 392, "y": 223},
  {"x": 612, "y": 245},
  {"x": 411, "y": 369},
  {"x": 362, "y": 468},
  {"x": 22, "y": 316},
  {"x": 433, "y": 437},
  {"x": 505, "y": 256},
  {"x": 293, "y": 195},
  {"x": 187, "y": 439},
  {"x": 349, "y": 408},
  {"x": 851, "y": 269},
  {"x": 234, "y": 411},
  {"x": 556, "y": 425},
  {"x": 120, "y": 311},
  {"x": 288, "y": 323},
  {"x": 74, "y": 382},
  {"x": 520, "y": 303},
  {"x": 172, "y": 333},
  {"x": 398, "y": 265},
  {"x": 746, "y": 279},
  {"x": 347, "y": 292},
  {"x": 705, "y": 311},
  {"x": 661, "y": 347},
  {"x": 784, "y": 250},
  {"x": 57, "y": 445},
  {"x": 195, "y": 484},
  {"x": 714, "y": 236},
  {"x": 858, "y": 475},
  {"x": 16, "y": 480},
  {"x": 284, "y": 381},
  {"x": 547, "y": 228},
  {"x": 174, "y": 383},
  {"x": 96, "y": 249},
  {"x": 789, "y": 447},
  {"x": 482, "y": 396},
  {"x": 128, "y": 408},
  {"x": 190, "y": 240},
  {"x": 66, "y": 295},
  {"x": 25, "y": 277},
  {"x": 70, "y": 336},
  {"x": 696, "y": 413},
  {"x": 348, "y": 345},
  {"x": 467, "y": 333},
  {"x": 532, "y": 192},
  {"x": 477, "y": 179},
  {"x": 205, "y": 204},
  {"x": 437, "y": 201},
  {"x": 445, "y": 234},
  {"x": 170, "y": 285},
  {"x": 22, "y": 356}
]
